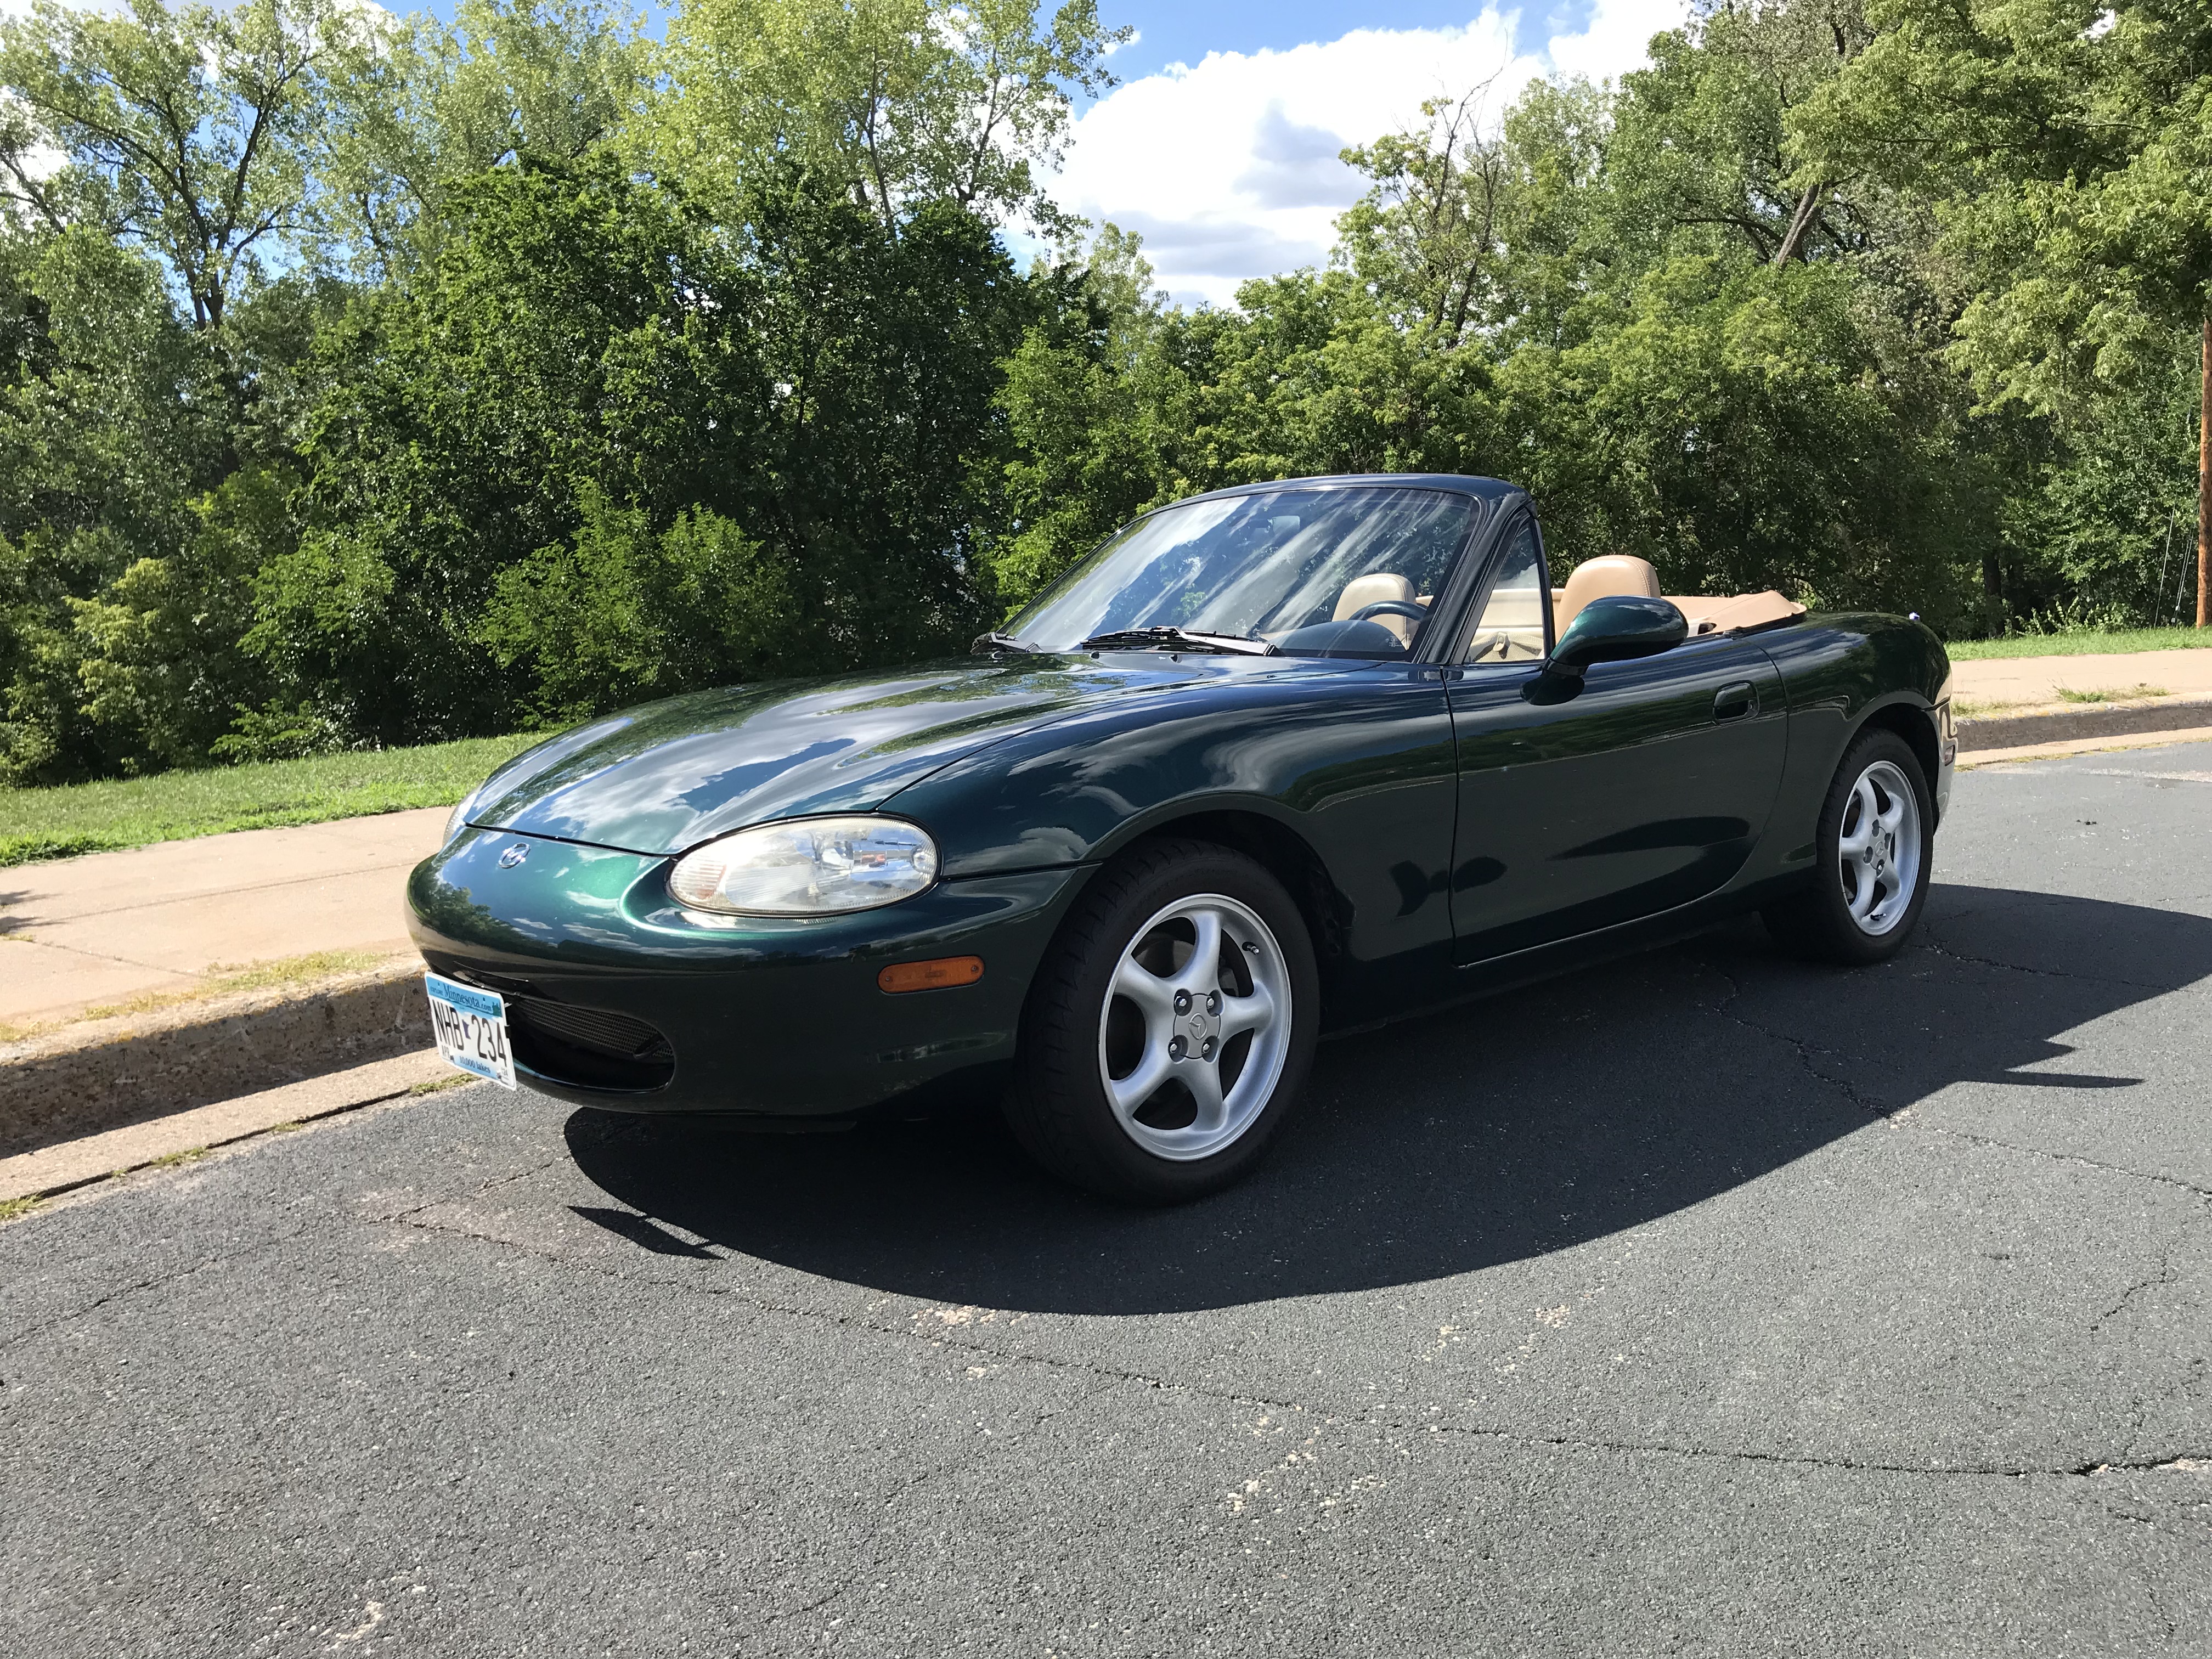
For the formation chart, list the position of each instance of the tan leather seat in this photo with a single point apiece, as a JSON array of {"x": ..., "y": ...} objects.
[
  {"x": 1603, "y": 578},
  {"x": 1363, "y": 591}
]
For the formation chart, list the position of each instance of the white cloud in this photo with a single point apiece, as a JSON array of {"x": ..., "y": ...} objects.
[
  {"x": 1228, "y": 167},
  {"x": 1619, "y": 31}
]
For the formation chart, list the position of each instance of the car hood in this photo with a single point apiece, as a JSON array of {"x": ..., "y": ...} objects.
[{"x": 663, "y": 778}]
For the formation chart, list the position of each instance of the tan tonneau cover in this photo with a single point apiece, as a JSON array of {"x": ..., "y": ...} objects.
[{"x": 1717, "y": 616}]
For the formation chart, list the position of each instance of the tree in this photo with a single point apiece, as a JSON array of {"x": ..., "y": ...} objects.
[
  {"x": 113, "y": 418},
  {"x": 1429, "y": 236},
  {"x": 590, "y": 377},
  {"x": 2068, "y": 146},
  {"x": 438, "y": 103},
  {"x": 1707, "y": 145},
  {"x": 894, "y": 101},
  {"x": 186, "y": 131},
  {"x": 625, "y": 613},
  {"x": 1082, "y": 400}
]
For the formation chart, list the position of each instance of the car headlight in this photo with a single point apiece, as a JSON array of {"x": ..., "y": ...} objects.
[
  {"x": 459, "y": 819},
  {"x": 807, "y": 868}
]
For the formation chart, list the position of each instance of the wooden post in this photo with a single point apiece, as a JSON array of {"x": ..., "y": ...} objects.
[{"x": 2204, "y": 475}]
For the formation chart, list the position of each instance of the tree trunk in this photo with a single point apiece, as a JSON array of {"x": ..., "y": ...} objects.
[
  {"x": 2204, "y": 475},
  {"x": 1800, "y": 222}
]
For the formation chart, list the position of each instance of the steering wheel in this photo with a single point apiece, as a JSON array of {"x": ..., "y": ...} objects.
[{"x": 1390, "y": 608}]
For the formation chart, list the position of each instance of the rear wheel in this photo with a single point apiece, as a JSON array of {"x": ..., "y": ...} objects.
[
  {"x": 1171, "y": 1029},
  {"x": 1871, "y": 856}
]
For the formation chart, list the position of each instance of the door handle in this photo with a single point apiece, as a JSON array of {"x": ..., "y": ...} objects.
[{"x": 1734, "y": 701}]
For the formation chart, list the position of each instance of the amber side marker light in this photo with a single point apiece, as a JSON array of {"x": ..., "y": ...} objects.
[{"x": 934, "y": 975}]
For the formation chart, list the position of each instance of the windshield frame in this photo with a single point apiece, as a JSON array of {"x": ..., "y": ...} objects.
[{"x": 1489, "y": 504}]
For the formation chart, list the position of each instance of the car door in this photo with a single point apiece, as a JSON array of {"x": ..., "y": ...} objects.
[{"x": 1582, "y": 808}]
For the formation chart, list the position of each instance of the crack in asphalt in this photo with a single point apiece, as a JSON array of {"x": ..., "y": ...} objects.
[
  {"x": 1803, "y": 1047},
  {"x": 176, "y": 1275},
  {"x": 877, "y": 1562},
  {"x": 1931, "y": 941},
  {"x": 2186, "y": 1185},
  {"x": 482, "y": 1190},
  {"x": 2167, "y": 1274},
  {"x": 1111, "y": 1374}
]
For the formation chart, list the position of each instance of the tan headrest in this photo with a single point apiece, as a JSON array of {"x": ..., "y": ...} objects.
[
  {"x": 1363, "y": 591},
  {"x": 1603, "y": 578}
]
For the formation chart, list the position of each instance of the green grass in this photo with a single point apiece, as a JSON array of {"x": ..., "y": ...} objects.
[
  {"x": 91, "y": 817},
  {"x": 2084, "y": 644},
  {"x": 2112, "y": 693}
]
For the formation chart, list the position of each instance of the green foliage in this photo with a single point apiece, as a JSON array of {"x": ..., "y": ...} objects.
[
  {"x": 623, "y": 614},
  {"x": 275, "y": 732},
  {"x": 189, "y": 131},
  {"x": 1083, "y": 402},
  {"x": 2070, "y": 161},
  {"x": 439, "y": 103},
  {"x": 896, "y": 102},
  {"x": 590, "y": 369},
  {"x": 571, "y": 328},
  {"x": 2065, "y": 151},
  {"x": 1614, "y": 301}
]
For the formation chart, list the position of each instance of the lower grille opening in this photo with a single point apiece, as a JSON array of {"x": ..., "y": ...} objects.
[{"x": 590, "y": 1047}]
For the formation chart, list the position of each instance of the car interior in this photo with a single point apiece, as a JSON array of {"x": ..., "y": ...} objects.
[{"x": 1511, "y": 628}]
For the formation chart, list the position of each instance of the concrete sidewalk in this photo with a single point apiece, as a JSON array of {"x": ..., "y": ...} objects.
[
  {"x": 110, "y": 929},
  {"x": 2024, "y": 684}
]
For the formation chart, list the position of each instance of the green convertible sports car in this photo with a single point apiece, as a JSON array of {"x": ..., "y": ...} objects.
[{"x": 1270, "y": 763}]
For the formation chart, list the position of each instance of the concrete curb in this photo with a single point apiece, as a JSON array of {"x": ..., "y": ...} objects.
[
  {"x": 2111, "y": 743},
  {"x": 70, "y": 1165},
  {"x": 2089, "y": 723},
  {"x": 104, "y": 1074}
]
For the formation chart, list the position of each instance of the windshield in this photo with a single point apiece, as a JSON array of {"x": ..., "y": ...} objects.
[{"x": 1296, "y": 568}]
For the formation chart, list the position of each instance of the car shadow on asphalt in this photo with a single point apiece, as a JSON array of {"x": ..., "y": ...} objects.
[{"x": 1487, "y": 1133}]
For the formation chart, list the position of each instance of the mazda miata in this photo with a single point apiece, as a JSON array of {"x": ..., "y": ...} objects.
[{"x": 1270, "y": 763}]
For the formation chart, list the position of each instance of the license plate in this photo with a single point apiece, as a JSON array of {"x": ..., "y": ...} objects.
[{"x": 472, "y": 1029}]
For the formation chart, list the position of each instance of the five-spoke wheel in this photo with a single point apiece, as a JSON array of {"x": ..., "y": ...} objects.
[
  {"x": 1194, "y": 1030},
  {"x": 1870, "y": 850},
  {"x": 1878, "y": 847},
  {"x": 1170, "y": 1029}
]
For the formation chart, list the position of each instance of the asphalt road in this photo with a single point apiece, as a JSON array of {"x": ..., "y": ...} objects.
[{"x": 1703, "y": 1303}]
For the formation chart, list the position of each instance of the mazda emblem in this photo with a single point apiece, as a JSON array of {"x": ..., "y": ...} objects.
[{"x": 515, "y": 856}]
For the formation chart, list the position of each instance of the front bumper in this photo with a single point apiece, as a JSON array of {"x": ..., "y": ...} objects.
[
  {"x": 764, "y": 1017},
  {"x": 1946, "y": 757}
]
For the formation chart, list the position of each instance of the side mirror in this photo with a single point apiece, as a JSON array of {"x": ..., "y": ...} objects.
[{"x": 1614, "y": 628}]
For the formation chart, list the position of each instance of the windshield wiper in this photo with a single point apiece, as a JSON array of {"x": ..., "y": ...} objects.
[
  {"x": 994, "y": 641},
  {"x": 1179, "y": 639}
]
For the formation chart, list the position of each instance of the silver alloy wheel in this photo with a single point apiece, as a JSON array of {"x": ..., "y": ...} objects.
[
  {"x": 1879, "y": 848},
  {"x": 1196, "y": 1027}
]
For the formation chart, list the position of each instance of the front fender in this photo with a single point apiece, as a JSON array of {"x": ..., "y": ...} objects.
[{"x": 1355, "y": 760}]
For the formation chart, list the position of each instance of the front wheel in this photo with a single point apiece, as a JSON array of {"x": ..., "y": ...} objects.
[
  {"x": 1171, "y": 1030},
  {"x": 1871, "y": 855}
]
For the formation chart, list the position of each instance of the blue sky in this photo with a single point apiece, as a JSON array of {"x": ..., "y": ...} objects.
[{"x": 1186, "y": 33}]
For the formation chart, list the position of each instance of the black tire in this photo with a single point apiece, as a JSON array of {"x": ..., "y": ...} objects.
[
  {"x": 1074, "y": 1020},
  {"x": 1818, "y": 922}
]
